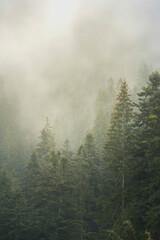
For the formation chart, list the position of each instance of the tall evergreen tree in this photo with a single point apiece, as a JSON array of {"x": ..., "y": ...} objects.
[
  {"x": 117, "y": 153},
  {"x": 66, "y": 150},
  {"x": 88, "y": 170},
  {"x": 146, "y": 191},
  {"x": 13, "y": 221},
  {"x": 49, "y": 185},
  {"x": 47, "y": 141},
  {"x": 103, "y": 108}
]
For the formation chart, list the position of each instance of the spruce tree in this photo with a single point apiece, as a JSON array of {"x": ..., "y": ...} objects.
[
  {"x": 146, "y": 176},
  {"x": 118, "y": 155},
  {"x": 88, "y": 173},
  {"x": 49, "y": 185},
  {"x": 13, "y": 220},
  {"x": 66, "y": 150},
  {"x": 103, "y": 107},
  {"x": 47, "y": 140}
]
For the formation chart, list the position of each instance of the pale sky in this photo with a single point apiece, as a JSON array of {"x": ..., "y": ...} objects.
[{"x": 66, "y": 50}]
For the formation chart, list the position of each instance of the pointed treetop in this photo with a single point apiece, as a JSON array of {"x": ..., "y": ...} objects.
[
  {"x": 154, "y": 79},
  {"x": 47, "y": 141}
]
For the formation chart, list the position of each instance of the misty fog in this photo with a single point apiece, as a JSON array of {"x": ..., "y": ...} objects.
[{"x": 56, "y": 55}]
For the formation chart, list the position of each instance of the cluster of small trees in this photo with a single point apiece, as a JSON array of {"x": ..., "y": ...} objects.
[{"x": 113, "y": 177}]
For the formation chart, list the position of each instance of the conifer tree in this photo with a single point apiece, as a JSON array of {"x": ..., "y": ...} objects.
[
  {"x": 47, "y": 141},
  {"x": 13, "y": 221},
  {"x": 117, "y": 152},
  {"x": 88, "y": 170},
  {"x": 103, "y": 107},
  {"x": 39, "y": 184},
  {"x": 146, "y": 176},
  {"x": 66, "y": 150},
  {"x": 49, "y": 184}
]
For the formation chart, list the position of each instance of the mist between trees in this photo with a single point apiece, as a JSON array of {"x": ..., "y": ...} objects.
[
  {"x": 51, "y": 190},
  {"x": 79, "y": 120}
]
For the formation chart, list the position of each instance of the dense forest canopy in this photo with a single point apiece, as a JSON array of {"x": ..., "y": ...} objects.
[
  {"x": 49, "y": 191},
  {"x": 79, "y": 120}
]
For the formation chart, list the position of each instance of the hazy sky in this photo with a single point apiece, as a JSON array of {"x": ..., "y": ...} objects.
[
  {"x": 55, "y": 52},
  {"x": 112, "y": 35}
]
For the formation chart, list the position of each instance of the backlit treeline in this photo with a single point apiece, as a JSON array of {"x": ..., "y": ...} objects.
[{"x": 114, "y": 176}]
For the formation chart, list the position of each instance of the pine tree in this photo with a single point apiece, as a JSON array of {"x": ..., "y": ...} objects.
[
  {"x": 47, "y": 141},
  {"x": 146, "y": 211},
  {"x": 49, "y": 185},
  {"x": 66, "y": 150},
  {"x": 13, "y": 221},
  {"x": 118, "y": 154},
  {"x": 88, "y": 169}
]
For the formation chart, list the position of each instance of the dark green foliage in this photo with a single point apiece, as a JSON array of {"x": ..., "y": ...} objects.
[
  {"x": 147, "y": 157},
  {"x": 13, "y": 224},
  {"x": 114, "y": 177},
  {"x": 47, "y": 142},
  {"x": 49, "y": 189},
  {"x": 118, "y": 159},
  {"x": 88, "y": 179}
]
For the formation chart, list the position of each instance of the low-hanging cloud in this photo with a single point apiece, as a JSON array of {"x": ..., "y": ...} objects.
[{"x": 56, "y": 54}]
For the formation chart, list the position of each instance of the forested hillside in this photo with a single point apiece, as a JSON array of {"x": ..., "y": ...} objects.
[{"x": 111, "y": 182}]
